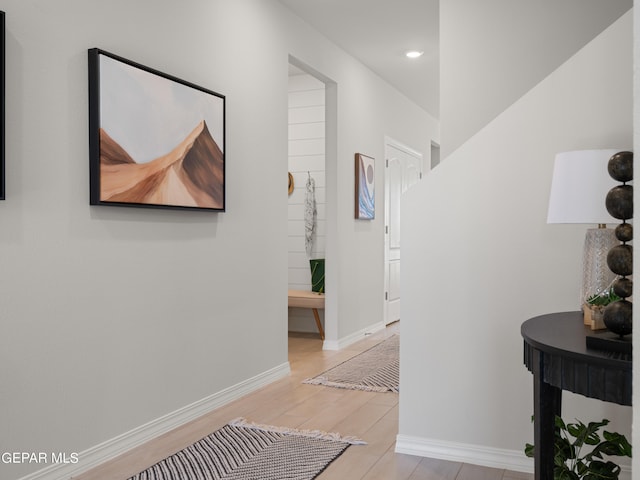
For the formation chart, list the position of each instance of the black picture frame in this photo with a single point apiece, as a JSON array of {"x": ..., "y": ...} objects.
[
  {"x": 155, "y": 141},
  {"x": 3, "y": 55}
]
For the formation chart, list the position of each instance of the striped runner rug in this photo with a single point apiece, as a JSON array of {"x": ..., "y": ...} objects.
[
  {"x": 247, "y": 451},
  {"x": 374, "y": 370}
]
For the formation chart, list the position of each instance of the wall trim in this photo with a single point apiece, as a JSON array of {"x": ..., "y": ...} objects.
[
  {"x": 514, "y": 460},
  {"x": 114, "y": 447},
  {"x": 460, "y": 452},
  {"x": 352, "y": 338}
]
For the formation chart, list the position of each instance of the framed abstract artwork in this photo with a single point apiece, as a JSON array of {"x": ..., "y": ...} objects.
[
  {"x": 154, "y": 140},
  {"x": 2, "y": 104},
  {"x": 365, "y": 187}
]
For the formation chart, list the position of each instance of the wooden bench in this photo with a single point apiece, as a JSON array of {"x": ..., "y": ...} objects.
[{"x": 307, "y": 299}]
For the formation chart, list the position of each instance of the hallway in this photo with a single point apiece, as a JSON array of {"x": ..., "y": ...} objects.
[{"x": 288, "y": 402}]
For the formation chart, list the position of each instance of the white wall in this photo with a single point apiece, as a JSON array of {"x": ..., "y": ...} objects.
[
  {"x": 113, "y": 318},
  {"x": 306, "y": 159},
  {"x": 479, "y": 259},
  {"x": 481, "y": 74}
]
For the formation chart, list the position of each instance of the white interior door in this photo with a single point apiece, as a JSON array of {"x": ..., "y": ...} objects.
[{"x": 403, "y": 169}]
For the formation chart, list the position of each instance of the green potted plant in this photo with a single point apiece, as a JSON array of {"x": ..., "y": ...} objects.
[
  {"x": 594, "y": 308},
  {"x": 571, "y": 463}
]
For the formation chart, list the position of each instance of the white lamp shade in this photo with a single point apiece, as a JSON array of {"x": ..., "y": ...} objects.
[{"x": 579, "y": 187}]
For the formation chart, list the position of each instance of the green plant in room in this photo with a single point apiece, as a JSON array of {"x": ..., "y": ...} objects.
[
  {"x": 595, "y": 305},
  {"x": 603, "y": 299},
  {"x": 569, "y": 461}
]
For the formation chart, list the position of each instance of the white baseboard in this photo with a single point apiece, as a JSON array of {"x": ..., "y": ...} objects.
[
  {"x": 110, "y": 449},
  {"x": 459, "y": 452},
  {"x": 514, "y": 460},
  {"x": 352, "y": 338}
]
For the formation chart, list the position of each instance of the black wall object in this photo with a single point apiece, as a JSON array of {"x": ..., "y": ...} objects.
[{"x": 2, "y": 104}]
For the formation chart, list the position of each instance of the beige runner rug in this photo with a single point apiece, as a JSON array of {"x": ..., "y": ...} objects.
[
  {"x": 374, "y": 370},
  {"x": 247, "y": 451}
]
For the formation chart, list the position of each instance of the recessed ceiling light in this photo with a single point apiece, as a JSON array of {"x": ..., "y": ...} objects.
[{"x": 413, "y": 54}]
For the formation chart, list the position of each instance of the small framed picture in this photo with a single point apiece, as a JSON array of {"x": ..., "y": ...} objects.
[{"x": 365, "y": 187}]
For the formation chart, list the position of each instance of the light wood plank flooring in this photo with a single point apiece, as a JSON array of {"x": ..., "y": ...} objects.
[{"x": 288, "y": 402}]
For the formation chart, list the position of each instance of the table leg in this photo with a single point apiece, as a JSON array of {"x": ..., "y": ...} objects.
[
  {"x": 547, "y": 404},
  {"x": 316, "y": 315}
]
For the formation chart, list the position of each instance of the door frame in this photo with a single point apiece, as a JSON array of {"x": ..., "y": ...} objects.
[
  {"x": 331, "y": 206},
  {"x": 390, "y": 142}
]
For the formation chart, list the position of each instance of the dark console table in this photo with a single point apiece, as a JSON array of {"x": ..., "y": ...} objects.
[{"x": 555, "y": 352}]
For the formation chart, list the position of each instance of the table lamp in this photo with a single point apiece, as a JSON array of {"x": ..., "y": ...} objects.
[{"x": 578, "y": 190}]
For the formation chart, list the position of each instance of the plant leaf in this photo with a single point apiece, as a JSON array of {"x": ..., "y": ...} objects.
[
  {"x": 602, "y": 471},
  {"x": 581, "y": 467},
  {"x": 559, "y": 423},
  {"x": 616, "y": 447},
  {"x": 586, "y": 434},
  {"x": 529, "y": 450},
  {"x": 564, "y": 473},
  {"x": 621, "y": 441},
  {"x": 563, "y": 451}
]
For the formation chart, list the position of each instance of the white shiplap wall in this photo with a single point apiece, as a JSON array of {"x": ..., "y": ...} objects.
[{"x": 306, "y": 157}]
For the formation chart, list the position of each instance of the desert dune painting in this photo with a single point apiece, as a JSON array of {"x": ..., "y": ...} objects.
[{"x": 155, "y": 140}]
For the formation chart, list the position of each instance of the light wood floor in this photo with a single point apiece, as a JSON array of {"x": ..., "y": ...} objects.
[{"x": 287, "y": 402}]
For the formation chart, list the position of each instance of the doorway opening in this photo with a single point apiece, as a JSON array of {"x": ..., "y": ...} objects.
[
  {"x": 311, "y": 150},
  {"x": 435, "y": 155},
  {"x": 403, "y": 168}
]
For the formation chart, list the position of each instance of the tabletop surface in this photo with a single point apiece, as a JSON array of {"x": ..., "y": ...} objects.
[
  {"x": 555, "y": 350},
  {"x": 565, "y": 334}
]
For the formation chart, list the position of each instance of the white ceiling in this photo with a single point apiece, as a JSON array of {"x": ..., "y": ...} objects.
[{"x": 378, "y": 33}]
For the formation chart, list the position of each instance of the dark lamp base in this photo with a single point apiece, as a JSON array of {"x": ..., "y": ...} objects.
[{"x": 610, "y": 342}]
